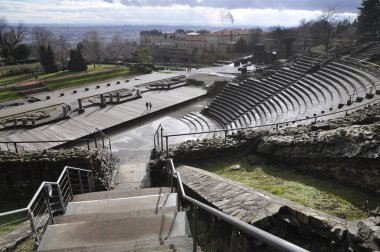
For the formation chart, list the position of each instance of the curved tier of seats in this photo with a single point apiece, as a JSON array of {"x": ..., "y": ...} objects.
[
  {"x": 294, "y": 92},
  {"x": 367, "y": 52}
]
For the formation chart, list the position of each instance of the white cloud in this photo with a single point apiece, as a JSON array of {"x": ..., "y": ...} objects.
[{"x": 115, "y": 12}]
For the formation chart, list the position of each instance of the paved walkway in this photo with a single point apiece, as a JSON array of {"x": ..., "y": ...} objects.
[
  {"x": 102, "y": 118},
  {"x": 134, "y": 145}
]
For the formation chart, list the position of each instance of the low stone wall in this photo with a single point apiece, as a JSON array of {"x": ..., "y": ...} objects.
[
  {"x": 309, "y": 228},
  {"x": 22, "y": 173},
  {"x": 346, "y": 149}
]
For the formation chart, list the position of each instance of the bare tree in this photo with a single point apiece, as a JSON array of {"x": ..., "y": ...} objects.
[
  {"x": 119, "y": 48},
  {"x": 62, "y": 51},
  {"x": 10, "y": 38},
  {"x": 93, "y": 47},
  {"x": 326, "y": 22},
  {"x": 42, "y": 37},
  {"x": 305, "y": 33}
]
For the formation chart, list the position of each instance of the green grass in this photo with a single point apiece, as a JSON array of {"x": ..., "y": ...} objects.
[
  {"x": 17, "y": 78},
  {"x": 318, "y": 49},
  {"x": 65, "y": 79},
  {"x": 322, "y": 194},
  {"x": 8, "y": 94},
  {"x": 26, "y": 245},
  {"x": 59, "y": 74},
  {"x": 86, "y": 79},
  {"x": 14, "y": 69},
  {"x": 5, "y": 225}
]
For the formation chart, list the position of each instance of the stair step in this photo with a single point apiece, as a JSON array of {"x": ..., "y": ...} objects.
[
  {"x": 114, "y": 194},
  {"x": 111, "y": 216},
  {"x": 140, "y": 229},
  {"x": 180, "y": 243},
  {"x": 131, "y": 204}
]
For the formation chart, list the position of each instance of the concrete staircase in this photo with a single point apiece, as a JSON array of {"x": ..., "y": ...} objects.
[{"x": 142, "y": 219}]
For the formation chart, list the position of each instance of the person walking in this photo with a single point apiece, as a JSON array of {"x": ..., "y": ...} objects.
[
  {"x": 147, "y": 105},
  {"x": 150, "y": 106}
]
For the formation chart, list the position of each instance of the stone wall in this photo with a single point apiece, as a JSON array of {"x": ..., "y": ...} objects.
[
  {"x": 309, "y": 228},
  {"x": 22, "y": 173},
  {"x": 346, "y": 149}
]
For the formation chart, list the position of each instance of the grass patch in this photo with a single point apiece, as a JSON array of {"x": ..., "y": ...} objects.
[
  {"x": 15, "y": 70},
  {"x": 87, "y": 78},
  {"x": 59, "y": 74},
  {"x": 318, "y": 49},
  {"x": 65, "y": 79},
  {"x": 8, "y": 94},
  {"x": 322, "y": 194},
  {"x": 9, "y": 223},
  {"x": 26, "y": 245},
  {"x": 17, "y": 78}
]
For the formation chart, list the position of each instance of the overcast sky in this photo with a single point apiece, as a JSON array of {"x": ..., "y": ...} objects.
[{"x": 172, "y": 12}]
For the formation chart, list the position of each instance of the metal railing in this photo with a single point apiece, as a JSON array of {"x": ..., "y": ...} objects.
[
  {"x": 50, "y": 199},
  {"x": 96, "y": 132},
  {"x": 323, "y": 57},
  {"x": 98, "y": 135},
  {"x": 158, "y": 137},
  {"x": 238, "y": 225},
  {"x": 312, "y": 119}
]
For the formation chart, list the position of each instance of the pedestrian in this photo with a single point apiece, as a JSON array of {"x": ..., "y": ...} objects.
[
  {"x": 150, "y": 106},
  {"x": 147, "y": 105}
]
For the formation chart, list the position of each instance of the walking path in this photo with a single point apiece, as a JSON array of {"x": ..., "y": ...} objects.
[{"x": 134, "y": 145}]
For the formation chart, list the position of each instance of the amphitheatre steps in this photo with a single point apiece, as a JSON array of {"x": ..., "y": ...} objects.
[
  {"x": 102, "y": 221},
  {"x": 367, "y": 52},
  {"x": 292, "y": 93}
]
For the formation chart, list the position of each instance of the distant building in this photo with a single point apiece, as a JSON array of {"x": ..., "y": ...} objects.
[
  {"x": 195, "y": 47},
  {"x": 221, "y": 42}
]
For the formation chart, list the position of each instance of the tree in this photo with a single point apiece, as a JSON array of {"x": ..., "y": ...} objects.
[
  {"x": 76, "y": 62},
  {"x": 42, "y": 54},
  {"x": 369, "y": 17},
  {"x": 144, "y": 55},
  {"x": 51, "y": 67},
  {"x": 10, "y": 38},
  {"x": 240, "y": 46},
  {"x": 47, "y": 59},
  {"x": 326, "y": 23},
  {"x": 62, "y": 50},
  {"x": 119, "y": 48},
  {"x": 42, "y": 37},
  {"x": 93, "y": 47},
  {"x": 22, "y": 52}
]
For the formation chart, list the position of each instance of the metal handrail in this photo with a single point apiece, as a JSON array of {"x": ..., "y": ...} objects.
[
  {"x": 47, "y": 207},
  {"x": 103, "y": 135},
  {"x": 324, "y": 55},
  {"x": 269, "y": 239},
  {"x": 315, "y": 118},
  {"x": 158, "y": 137}
]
